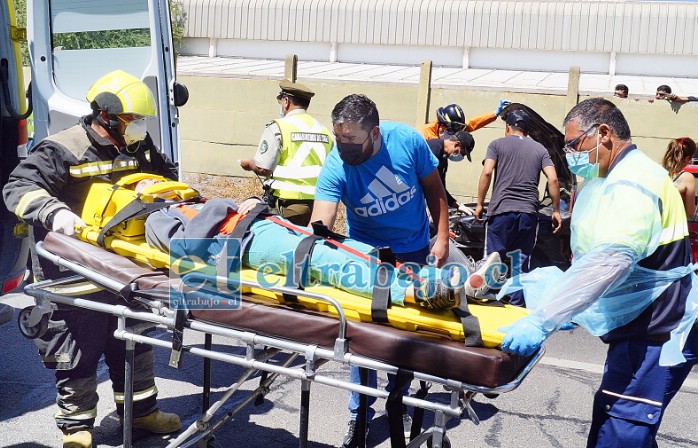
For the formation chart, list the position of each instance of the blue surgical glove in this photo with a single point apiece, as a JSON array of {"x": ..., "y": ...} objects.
[
  {"x": 502, "y": 105},
  {"x": 523, "y": 337},
  {"x": 567, "y": 326}
]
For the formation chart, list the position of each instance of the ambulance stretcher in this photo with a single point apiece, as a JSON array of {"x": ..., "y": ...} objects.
[{"x": 267, "y": 329}]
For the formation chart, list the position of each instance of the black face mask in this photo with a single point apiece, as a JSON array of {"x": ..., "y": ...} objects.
[{"x": 354, "y": 153}]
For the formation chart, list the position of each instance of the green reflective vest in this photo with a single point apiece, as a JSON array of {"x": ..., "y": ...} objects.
[{"x": 306, "y": 144}]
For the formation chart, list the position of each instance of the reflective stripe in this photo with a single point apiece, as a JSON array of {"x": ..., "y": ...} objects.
[
  {"x": 635, "y": 399},
  {"x": 91, "y": 169},
  {"x": 303, "y": 172},
  {"x": 137, "y": 396},
  {"x": 74, "y": 289},
  {"x": 27, "y": 199},
  {"x": 84, "y": 415},
  {"x": 121, "y": 165},
  {"x": 283, "y": 185},
  {"x": 306, "y": 144},
  {"x": 673, "y": 233},
  {"x": 96, "y": 168}
]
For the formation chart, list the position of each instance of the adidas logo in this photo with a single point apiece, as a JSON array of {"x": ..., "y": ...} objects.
[{"x": 386, "y": 193}]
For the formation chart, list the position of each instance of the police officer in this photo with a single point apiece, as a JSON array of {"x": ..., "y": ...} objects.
[
  {"x": 47, "y": 190},
  {"x": 291, "y": 153}
]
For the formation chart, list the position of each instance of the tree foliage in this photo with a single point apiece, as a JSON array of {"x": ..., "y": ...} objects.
[{"x": 106, "y": 38}]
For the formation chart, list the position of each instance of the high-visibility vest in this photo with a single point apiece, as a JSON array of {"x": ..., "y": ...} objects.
[{"x": 306, "y": 144}]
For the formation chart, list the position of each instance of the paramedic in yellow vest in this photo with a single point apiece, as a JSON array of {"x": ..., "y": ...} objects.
[{"x": 292, "y": 151}]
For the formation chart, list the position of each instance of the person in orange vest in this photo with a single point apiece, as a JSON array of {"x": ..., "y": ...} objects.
[{"x": 452, "y": 118}]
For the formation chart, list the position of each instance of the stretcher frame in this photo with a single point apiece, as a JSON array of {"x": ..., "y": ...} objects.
[{"x": 259, "y": 351}]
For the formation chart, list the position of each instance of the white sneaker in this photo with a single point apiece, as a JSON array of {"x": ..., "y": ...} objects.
[{"x": 480, "y": 281}]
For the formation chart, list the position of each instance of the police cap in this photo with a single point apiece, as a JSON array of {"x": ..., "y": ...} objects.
[{"x": 294, "y": 89}]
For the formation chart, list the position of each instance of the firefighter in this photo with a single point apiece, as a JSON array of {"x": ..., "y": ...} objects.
[{"x": 47, "y": 190}]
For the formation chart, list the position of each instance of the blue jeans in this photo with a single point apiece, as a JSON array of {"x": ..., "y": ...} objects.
[
  {"x": 511, "y": 232},
  {"x": 418, "y": 256},
  {"x": 372, "y": 382},
  {"x": 635, "y": 392}
]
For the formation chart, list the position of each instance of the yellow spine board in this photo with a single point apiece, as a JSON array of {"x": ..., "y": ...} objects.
[
  {"x": 357, "y": 308},
  {"x": 105, "y": 200}
]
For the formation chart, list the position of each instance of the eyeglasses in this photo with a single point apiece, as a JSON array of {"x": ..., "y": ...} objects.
[
  {"x": 128, "y": 118},
  {"x": 571, "y": 146}
]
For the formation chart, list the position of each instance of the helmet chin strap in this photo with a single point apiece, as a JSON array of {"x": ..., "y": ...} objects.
[
  {"x": 112, "y": 128},
  {"x": 132, "y": 149}
]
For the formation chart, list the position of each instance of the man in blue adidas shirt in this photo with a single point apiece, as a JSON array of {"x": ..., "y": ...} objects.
[{"x": 382, "y": 173}]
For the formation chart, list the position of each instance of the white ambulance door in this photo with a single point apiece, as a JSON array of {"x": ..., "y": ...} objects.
[{"x": 72, "y": 43}]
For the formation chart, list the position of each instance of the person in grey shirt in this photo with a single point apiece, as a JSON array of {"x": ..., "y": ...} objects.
[{"x": 512, "y": 216}]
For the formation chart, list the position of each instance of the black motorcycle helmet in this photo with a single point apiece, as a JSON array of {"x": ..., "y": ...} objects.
[{"x": 452, "y": 117}]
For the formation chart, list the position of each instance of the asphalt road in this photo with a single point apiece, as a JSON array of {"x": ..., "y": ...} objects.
[{"x": 552, "y": 407}]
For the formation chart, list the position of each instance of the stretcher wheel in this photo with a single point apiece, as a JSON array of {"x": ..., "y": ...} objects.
[
  {"x": 445, "y": 442},
  {"x": 31, "y": 332}
]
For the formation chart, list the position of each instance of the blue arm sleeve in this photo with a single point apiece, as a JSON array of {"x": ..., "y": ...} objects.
[{"x": 597, "y": 272}]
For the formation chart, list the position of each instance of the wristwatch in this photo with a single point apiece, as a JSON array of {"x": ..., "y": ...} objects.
[{"x": 48, "y": 222}]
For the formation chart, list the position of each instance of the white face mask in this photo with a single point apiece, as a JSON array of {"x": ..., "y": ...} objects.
[{"x": 135, "y": 132}]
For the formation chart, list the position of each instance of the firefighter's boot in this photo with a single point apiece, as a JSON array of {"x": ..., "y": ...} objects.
[
  {"x": 157, "y": 422},
  {"x": 78, "y": 439}
]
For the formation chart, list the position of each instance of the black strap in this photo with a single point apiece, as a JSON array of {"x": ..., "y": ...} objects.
[
  {"x": 418, "y": 414},
  {"x": 380, "y": 297},
  {"x": 259, "y": 399},
  {"x": 471, "y": 325},
  {"x": 178, "y": 338},
  {"x": 303, "y": 254},
  {"x": 127, "y": 292},
  {"x": 301, "y": 260},
  {"x": 486, "y": 302},
  {"x": 322, "y": 230},
  {"x": 133, "y": 209},
  {"x": 244, "y": 224},
  {"x": 395, "y": 409},
  {"x": 362, "y": 412}
]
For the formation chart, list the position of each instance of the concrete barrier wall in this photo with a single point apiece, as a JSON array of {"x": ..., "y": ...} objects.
[{"x": 225, "y": 117}]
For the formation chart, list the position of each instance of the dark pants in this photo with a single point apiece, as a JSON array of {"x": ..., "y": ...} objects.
[
  {"x": 419, "y": 256},
  {"x": 635, "y": 392},
  {"x": 513, "y": 235},
  {"x": 73, "y": 345},
  {"x": 295, "y": 210}
]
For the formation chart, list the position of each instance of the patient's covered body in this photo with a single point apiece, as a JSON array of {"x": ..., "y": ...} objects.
[{"x": 201, "y": 229}]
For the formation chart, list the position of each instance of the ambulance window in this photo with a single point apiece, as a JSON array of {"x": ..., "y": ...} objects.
[{"x": 90, "y": 39}]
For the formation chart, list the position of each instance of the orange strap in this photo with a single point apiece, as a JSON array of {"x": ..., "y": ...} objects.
[{"x": 337, "y": 244}]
